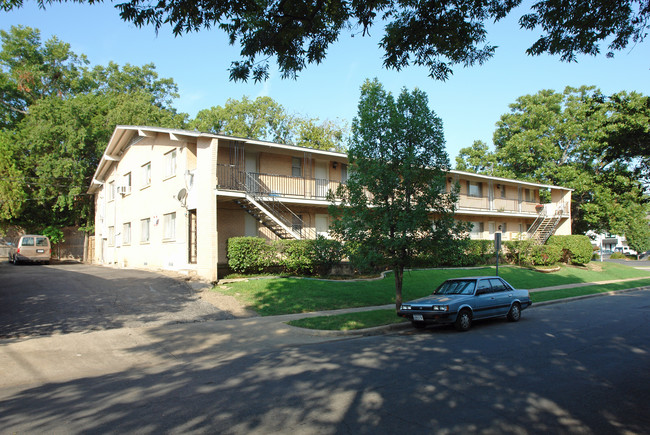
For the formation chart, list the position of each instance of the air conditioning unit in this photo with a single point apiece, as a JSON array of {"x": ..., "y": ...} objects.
[{"x": 123, "y": 190}]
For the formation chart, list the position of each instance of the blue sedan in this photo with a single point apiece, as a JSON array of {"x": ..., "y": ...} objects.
[{"x": 460, "y": 301}]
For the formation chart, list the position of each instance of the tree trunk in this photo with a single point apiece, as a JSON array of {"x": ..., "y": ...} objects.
[{"x": 399, "y": 274}]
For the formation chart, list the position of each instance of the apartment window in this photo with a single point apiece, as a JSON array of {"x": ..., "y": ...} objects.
[
  {"x": 111, "y": 190},
  {"x": 477, "y": 228},
  {"x": 344, "y": 173},
  {"x": 169, "y": 226},
  {"x": 503, "y": 227},
  {"x": 474, "y": 189},
  {"x": 111, "y": 236},
  {"x": 529, "y": 195},
  {"x": 126, "y": 233},
  {"x": 146, "y": 174},
  {"x": 144, "y": 230},
  {"x": 126, "y": 183},
  {"x": 170, "y": 164},
  {"x": 296, "y": 167}
]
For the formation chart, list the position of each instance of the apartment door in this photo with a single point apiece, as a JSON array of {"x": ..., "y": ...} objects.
[
  {"x": 252, "y": 172},
  {"x": 191, "y": 237},
  {"x": 320, "y": 173},
  {"x": 492, "y": 226}
]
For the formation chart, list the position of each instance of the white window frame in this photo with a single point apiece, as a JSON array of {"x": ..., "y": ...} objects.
[
  {"x": 146, "y": 175},
  {"x": 111, "y": 191},
  {"x": 126, "y": 233},
  {"x": 170, "y": 164},
  {"x": 477, "y": 229},
  {"x": 296, "y": 167},
  {"x": 145, "y": 230},
  {"x": 111, "y": 236},
  {"x": 478, "y": 193},
  {"x": 126, "y": 183},
  {"x": 169, "y": 226}
]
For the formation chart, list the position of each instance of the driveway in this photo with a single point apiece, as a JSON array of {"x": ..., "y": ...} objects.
[{"x": 64, "y": 298}]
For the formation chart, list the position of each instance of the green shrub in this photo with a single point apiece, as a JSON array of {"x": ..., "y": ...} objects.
[
  {"x": 326, "y": 254},
  {"x": 363, "y": 259},
  {"x": 250, "y": 254},
  {"x": 295, "y": 256},
  {"x": 518, "y": 252},
  {"x": 308, "y": 257},
  {"x": 545, "y": 255},
  {"x": 574, "y": 249},
  {"x": 618, "y": 256},
  {"x": 459, "y": 253}
]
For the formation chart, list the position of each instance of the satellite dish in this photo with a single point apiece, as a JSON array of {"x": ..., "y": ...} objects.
[{"x": 182, "y": 194}]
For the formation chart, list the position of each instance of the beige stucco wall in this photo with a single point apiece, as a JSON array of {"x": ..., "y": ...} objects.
[
  {"x": 151, "y": 201},
  {"x": 514, "y": 226}
]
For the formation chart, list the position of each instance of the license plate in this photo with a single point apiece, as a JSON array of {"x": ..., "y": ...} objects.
[
  {"x": 418, "y": 317},
  {"x": 40, "y": 251}
]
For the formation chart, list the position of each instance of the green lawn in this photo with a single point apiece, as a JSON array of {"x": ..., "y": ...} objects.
[
  {"x": 275, "y": 296},
  {"x": 369, "y": 319}
]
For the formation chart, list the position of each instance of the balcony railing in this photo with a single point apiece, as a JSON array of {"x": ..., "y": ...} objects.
[
  {"x": 229, "y": 178},
  {"x": 284, "y": 186}
]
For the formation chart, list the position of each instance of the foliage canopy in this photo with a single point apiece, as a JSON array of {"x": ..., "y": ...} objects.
[{"x": 436, "y": 34}]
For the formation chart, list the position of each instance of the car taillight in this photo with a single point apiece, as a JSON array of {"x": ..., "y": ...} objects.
[{"x": 18, "y": 250}]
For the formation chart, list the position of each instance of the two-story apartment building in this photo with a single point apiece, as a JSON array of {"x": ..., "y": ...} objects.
[{"x": 168, "y": 198}]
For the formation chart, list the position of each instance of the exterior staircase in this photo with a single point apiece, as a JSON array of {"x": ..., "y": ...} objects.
[
  {"x": 544, "y": 226},
  {"x": 264, "y": 206}
]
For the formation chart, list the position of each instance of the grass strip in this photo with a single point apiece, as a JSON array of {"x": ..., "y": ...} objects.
[
  {"x": 369, "y": 319},
  {"x": 349, "y": 321},
  {"x": 270, "y": 297},
  {"x": 551, "y": 295}
]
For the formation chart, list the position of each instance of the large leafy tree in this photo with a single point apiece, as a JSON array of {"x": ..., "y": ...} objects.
[
  {"x": 566, "y": 139},
  {"x": 58, "y": 117},
  {"x": 395, "y": 203},
  {"x": 31, "y": 70},
  {"x": 436, "y": 34},
  {"x": 265, "y": 119}
]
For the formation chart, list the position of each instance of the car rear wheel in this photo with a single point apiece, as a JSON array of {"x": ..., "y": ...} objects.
[
  {"x": 15, "y": 260},
  {"x": 463, "y": 321},
  {"x": 419, "y": 325},
  {"x": 515, "y": 312}
]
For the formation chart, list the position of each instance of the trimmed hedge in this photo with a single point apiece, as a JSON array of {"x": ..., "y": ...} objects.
[
  {"x": 574, "y": 249},
  {"x": 545, "y": 255},
  {"x": 250, "y": 254},
  {"x": 300, "y": 257}
]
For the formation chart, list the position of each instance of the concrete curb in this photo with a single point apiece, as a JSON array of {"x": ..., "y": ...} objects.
[{"x": 379, "y": 330}]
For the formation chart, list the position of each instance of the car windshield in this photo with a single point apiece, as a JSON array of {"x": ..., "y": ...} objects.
[{"x": 456, "y": 287}]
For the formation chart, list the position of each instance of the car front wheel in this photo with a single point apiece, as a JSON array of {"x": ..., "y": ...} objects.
[
  {"x": 515, "y": 312},
  {"x": 463, "y": 321}
]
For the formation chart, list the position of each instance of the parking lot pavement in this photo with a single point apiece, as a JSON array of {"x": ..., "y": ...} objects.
[{"x": 65, "y": 298}]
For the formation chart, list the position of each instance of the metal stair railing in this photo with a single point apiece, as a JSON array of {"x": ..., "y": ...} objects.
[
  {"x": 265, "y": 200},
  {"x": 544, "y": 226}
]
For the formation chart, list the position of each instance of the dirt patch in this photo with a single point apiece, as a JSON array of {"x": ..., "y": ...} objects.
[{"x": 226, "y": 303}]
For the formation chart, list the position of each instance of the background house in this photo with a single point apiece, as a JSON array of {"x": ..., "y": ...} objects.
[{"x": 171, "y": 199}]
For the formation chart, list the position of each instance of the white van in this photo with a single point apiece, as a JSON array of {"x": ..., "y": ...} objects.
[{"x": 33, "y": 248}]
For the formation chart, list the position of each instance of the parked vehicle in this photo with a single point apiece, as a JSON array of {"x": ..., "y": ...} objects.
[
  {"x": 32, "y": 248},
  {"x": 460, "y": 301}
]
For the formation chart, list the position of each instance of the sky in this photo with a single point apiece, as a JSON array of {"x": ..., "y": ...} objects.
[{"x": 469, "y": 103}]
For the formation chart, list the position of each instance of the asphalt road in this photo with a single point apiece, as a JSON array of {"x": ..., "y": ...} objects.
[
  {"x": 580, "y": 367},
  {"x": 65, "y": 298}
]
